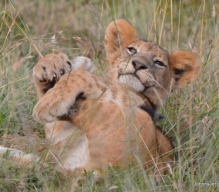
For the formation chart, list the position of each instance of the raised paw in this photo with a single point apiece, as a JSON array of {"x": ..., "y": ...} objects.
[
  {"x": 60, "y": 101},
  {"x": 44, "y": 110},
  {"x": 49, "y": 70},
  {"x": 83, "y": 63},
  {"x": 50, "y": 107},
  {"x": 57, "y": 102}
]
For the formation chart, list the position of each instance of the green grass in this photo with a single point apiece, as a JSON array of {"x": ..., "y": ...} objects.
[{"x": 191, "y": 114}]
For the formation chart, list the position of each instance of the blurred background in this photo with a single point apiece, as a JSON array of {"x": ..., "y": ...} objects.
[{"x": 30, "y": 28}]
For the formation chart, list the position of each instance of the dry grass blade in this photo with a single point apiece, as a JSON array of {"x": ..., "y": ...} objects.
[
  {"x": 31, "y": 41},
  {"x": 191, "y": 115}
]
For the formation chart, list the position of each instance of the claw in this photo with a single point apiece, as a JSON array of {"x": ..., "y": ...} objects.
[
  {"x": 69, "y": 63},
  {"x": 62, "y": 71},
  {"x": 45, "y": 76}
]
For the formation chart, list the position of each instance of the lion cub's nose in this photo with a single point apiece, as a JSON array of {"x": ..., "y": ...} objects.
[{"x": 138, "y": 65}]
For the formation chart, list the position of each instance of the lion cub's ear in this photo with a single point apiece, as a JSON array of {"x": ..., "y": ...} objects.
[
  {"x": 119, "y": 34},
  {"x": 186, "y": 67}
]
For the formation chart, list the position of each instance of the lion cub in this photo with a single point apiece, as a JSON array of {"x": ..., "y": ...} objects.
[{"x": 106, "y": 114}]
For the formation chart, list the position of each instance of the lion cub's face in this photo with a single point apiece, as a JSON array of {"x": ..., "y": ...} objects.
[{"x": 144, "y": 65}]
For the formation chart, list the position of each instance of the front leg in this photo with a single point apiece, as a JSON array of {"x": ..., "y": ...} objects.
[
  {"x": 48, "y": 71},
  {"x": 59, "y": 100}
]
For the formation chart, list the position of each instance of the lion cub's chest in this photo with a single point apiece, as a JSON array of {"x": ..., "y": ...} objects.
[{"x": 114, "y": 106}]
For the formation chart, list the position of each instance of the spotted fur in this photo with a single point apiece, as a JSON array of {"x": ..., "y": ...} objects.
[{"x": 103, "y": 115}]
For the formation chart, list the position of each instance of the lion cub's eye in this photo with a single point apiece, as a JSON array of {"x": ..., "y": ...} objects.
[
  {"x": 131, "y": 50},
  {"x": 160, "y": 63}
]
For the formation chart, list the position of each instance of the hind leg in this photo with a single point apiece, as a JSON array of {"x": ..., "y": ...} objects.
[{"x": 165, "y": 150}]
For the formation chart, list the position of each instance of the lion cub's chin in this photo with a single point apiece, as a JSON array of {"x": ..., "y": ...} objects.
[{"x": 132, "y": 82}]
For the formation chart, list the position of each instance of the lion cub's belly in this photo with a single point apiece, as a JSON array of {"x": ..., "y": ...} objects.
[
  {"x": 69, "y": 145},
  {"x": 115, "y": 134},
  {"x": 101, "y": 133}
]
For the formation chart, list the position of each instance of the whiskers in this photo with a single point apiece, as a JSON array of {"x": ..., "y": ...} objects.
[
  {"x": 149, "y": 80},
  {"x": 140, "y": 81},
  {"x": 132, "y": 82}
]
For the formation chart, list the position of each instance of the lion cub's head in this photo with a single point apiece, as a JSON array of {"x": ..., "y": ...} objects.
[{"x": 146, "y": 67}]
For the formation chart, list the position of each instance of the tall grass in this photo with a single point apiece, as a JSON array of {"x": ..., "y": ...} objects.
[{"x": 191, "y": 115}]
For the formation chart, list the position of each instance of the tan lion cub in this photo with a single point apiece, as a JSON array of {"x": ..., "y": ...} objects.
[{"x": 113, "y": 129}]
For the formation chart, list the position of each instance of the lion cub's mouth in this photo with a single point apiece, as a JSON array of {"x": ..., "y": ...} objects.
[{"x": 132, "y": 81}]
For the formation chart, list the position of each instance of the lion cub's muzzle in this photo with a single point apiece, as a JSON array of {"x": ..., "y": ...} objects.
[
  {"x": 140, "y": 62},
  {"x": 138, "y": 66}
]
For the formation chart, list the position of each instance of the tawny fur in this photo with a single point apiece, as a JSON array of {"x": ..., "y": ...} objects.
[{"x": 113, "y": 129}]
